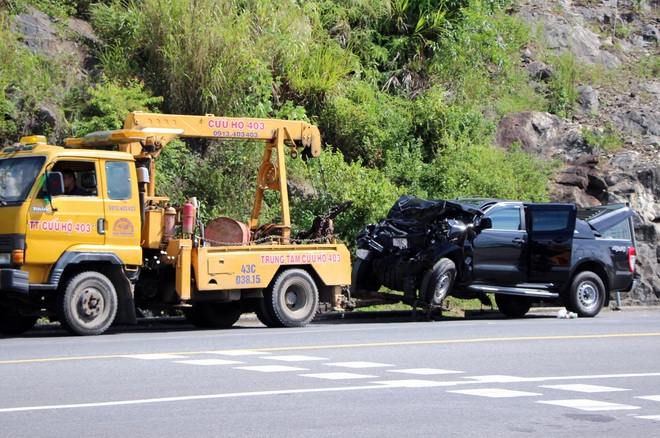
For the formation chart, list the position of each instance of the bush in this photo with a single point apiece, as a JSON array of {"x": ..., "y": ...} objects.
[{"x": 109, "y": 102}]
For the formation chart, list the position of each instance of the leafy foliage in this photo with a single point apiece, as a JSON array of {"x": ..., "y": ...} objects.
[
  {"x": 406, "y": 94},
  {"x": 108, "y": 104}
]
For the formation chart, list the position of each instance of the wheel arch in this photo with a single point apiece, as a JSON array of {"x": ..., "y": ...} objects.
[
  {"x": 595, "y": 267},
  {"x": 326, "y": 291},
  {"x": 452, "y": 254},
  {"x": 108, "y": 264}
]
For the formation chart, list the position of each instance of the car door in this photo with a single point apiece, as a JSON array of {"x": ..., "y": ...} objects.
[
  {"x": 500, "y": 253},
  {"x": 550, "y": 229}
]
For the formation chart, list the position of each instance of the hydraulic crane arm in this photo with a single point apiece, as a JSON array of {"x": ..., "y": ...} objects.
[{"x": 145, "y": 134}]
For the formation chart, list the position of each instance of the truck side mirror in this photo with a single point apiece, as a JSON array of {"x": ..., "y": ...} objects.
[
  {"x": 483, "y": 223},
  {"x": 55, "y": 183}
]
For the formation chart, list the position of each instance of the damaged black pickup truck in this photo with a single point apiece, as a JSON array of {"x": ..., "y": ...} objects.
[{"x": 523, "y": 253}]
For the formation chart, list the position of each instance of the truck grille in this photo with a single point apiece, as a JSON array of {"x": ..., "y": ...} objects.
[
  {"x": 5, "y": 243},
  {"x": 9, "y": 242}
]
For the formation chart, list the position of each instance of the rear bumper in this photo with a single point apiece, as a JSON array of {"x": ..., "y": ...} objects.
[
  {"x": 632, "y": 287},
  {"x": 14, "y": 280}
]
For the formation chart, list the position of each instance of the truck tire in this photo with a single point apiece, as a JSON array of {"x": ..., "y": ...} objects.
[
  {"x": 213, "y": 315},
  {"x": 293, "y": 299},
  {"x": 12, "y": 322},
  {"x": 438, "y": 282},
  {"x": 259, "y": 307},
  {"x": 87, "y": 304},
  {"x": 513, "y": 306},
  {"x": 587, "y": 294}
]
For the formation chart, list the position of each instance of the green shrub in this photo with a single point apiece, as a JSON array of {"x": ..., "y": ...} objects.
[
  {"x": 606, "y": 140},
  {"x": 335, "y": 181},
  {"x": 109, "y": 102},
  {"x": 562, "y": 89}
]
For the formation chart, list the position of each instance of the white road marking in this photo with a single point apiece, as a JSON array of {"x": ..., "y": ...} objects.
[
  {"x": 238, "y": 352},
  {"x": 358, "y": 364},
  {"x": 578, "y": 387},
  {"x": 589, "y": 405},
  {"x": 499, "y": 379},
  {"x": 156, "y": 356},
  {"x": 295, "y": 358},
  {"x": 209, "y": 362},
  {"x": 425, "y": 371},
  {"x": 650, "y": 397},
  {"x": 495, "y": 392},
  {"x": 271, "y": 368},
  {"x": 649, "y": 417},
  {"x": 196, "y": 397},
  {"x": 339, "y": 376},
  {"x": 412, "y": 383}
]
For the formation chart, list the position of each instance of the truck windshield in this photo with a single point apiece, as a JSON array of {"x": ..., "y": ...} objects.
[{"x": 17, "y": 176}]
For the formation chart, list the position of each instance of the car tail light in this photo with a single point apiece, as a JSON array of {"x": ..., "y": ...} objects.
[{"x": 632, "y": 258}]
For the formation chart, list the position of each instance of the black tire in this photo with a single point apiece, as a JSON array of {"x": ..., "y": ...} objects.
[
  {"x": 213, "y": 315},
  {"x": 87, "y": 304},
  {"x": 513, "y": 306},
  {"x": 264, "y": 316},
  {"x": 363, "y": 277},
  {"x": 587, "y": 294},
  {"x": 438, "y": 282},
  {"x": 293, "y": 300},
  {"x": 13, "y": 322}
]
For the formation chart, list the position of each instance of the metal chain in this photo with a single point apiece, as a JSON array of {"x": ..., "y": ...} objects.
[{"x": 279, "y": 239}]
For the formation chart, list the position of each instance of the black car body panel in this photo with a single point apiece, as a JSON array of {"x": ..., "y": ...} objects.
[{"x": 528, "y": 249}]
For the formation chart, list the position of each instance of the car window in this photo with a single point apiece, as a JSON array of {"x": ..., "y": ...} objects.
[
  {"x": 507, "y": 218},
  {"x": 550, "y": 220}
]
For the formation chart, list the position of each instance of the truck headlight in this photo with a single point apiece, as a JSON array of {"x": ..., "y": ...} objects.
[{"x": 5, "y": 258}]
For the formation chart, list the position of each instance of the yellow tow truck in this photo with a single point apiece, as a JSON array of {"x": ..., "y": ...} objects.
[{"x": 91, "y": 257}]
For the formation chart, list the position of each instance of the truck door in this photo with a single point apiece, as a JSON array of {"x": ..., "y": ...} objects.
[
  {"x": 69, "y": 221},
  {"x": 500, "y": 253},
  {"x": 550, "y": 230},
  {"x": 122, "y": 211}
]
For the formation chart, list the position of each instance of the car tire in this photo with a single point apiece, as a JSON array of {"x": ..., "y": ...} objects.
[
  {"x": 587, "y": 294},
  {"x": 513, "y": 306}
]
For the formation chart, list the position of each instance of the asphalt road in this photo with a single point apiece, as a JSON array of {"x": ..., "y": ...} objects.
[{"x": 384, "y": 376}]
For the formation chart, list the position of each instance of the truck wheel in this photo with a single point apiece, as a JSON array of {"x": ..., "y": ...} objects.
[
  {"x": 88, "y": 304},
  {"x": 12, "y": 322},
  {"x": 587, "y": 294},
  {"x": 294, "y": 299},
  {"x": 259, "y": 307},
  {"x": 438, "y": 282},
  {"x": 513, "y": 306},
  {"x": 213, "y": 315}
]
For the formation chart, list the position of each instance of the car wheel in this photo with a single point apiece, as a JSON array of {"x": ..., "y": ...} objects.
[
  {"x": 438, "y": 282},
  {"x": 513, "y": 306},
  {"x": 587, "y": 294}
]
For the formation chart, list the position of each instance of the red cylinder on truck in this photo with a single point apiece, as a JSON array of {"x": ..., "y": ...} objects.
[{"x": 188, "y": 218}]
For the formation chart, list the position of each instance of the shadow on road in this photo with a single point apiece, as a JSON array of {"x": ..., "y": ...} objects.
[{"x": 175, "y": 324}]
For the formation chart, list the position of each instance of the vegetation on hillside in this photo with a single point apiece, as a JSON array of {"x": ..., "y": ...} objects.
[{"x": 406, "y": 94}]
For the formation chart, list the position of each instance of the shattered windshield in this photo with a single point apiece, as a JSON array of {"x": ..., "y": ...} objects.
[{"x": 17, "y": 176}]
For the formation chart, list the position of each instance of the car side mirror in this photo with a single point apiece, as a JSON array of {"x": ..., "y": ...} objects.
[
  {"x": 55, "y": 183},
  {"x": 483, "y": 223}
]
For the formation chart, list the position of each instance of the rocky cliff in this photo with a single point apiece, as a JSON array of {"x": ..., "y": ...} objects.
[{"x": 625, "y": 107}]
